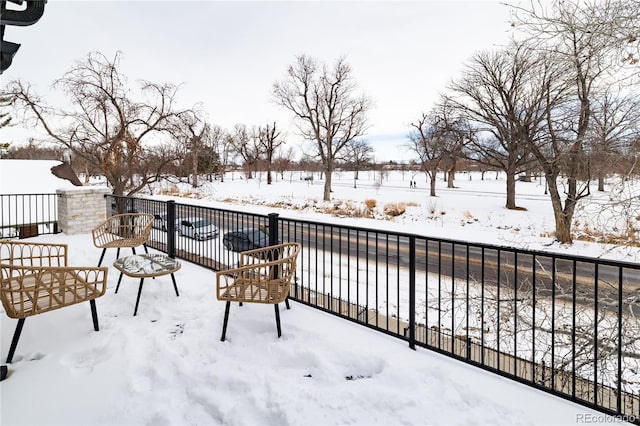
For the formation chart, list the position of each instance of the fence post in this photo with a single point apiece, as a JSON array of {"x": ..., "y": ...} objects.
[
  {"x": 273, "y": 229},
  {"x": 412, "y": 292},
  {"x": 171, "y": 229}
]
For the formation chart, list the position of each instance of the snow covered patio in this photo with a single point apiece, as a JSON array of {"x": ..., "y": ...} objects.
[{"x": 168, "y": 366}]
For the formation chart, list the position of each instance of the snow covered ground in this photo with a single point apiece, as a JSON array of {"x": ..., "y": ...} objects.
[{"x": 168, "y": 366}]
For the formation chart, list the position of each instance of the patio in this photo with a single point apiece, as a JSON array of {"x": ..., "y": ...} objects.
[{"x": 168, "y": 366}]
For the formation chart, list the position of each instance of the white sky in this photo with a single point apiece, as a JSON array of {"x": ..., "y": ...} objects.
[{"x": 227, "y": 55}]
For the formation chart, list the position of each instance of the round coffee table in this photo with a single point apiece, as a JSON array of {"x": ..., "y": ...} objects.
[{"x": 146, "y": 266}]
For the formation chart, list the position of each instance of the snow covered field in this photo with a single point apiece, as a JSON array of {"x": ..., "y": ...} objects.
[{"x": 473, "y": 211}]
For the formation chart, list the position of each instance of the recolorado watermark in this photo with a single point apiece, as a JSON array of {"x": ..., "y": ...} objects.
[{"x": 605, "y": 418}]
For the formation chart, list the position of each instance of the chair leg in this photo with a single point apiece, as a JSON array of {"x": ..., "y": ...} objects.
[
  {"x": 94, "y": 314},
  {"x": 145, "y": 248},
  {"x": 104, "y": 250},
  {"x": 226, "y": 320},
  {"x": 14, "y": 341},
  {"x": 119, "y": 279},
  {"x": 175, "y": 287},
  {"x": 278, "y": 319},
  {"x": 135, "y": 311},
  {"x": 286, "y": 302},
  {"x": 133, "y": 249}
]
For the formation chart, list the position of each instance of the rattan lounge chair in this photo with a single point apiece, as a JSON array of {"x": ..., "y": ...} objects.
[
  {"x": 263, "y": 276},
  {"x": 127, "y": 230},
  {"x": 36, "y": 279}
]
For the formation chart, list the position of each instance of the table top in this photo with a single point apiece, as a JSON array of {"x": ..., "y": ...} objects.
[{"x": 146, "y": 265}]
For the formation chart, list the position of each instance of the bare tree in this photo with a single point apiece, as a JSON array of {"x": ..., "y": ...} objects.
[
  {"x": 329, "y": 111},
  {"x": 454, "y": 132},
  {"x": 358, "y": 154},
  {"x": 494, "y": 92},
  {"x": 192, "y": 130},
  {"x": 269, "y": 140},
  {"x": 616, "y": 121},
  {"x": 245, "y": 144},
  {"x": 104, "y": 125},
  {"x": 284, "y": 162},
  {"x": 582, "y": 39},
  {"x": 217, "y": 151},
  {"x": 428, "y": 145}
]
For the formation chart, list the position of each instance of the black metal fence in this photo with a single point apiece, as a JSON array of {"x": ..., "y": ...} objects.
[
  {"x": 28, "y": 215},
  {"x": 567, "y": 325}
]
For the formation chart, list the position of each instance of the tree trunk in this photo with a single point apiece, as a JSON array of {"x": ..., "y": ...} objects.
[
  {"x": 601, "y": 182},
  {"x": 432, "y": 183},
  {"x": 327, "y": 188},
  {"x": 562, "y": 217},
  {"x": 194, "y": 164},
  {"x": 327, "y": 182},
  {"x": 451, "y": 177},
  {"x": 511, "y": 190},
  {"x": 269, "y": 177}
]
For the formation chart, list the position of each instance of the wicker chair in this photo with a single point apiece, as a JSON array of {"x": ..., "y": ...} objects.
[
  {"x": 127, "y": 230},
  {"x": 36, "y": 279},
  {"x": 263, "y": 276}
]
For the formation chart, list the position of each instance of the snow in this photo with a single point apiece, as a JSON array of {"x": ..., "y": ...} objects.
[
  {"x": 30, "y": 177},
  {"x": 167, "y": 365}
]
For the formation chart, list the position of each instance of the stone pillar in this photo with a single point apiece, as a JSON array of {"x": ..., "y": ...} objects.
[{"x": 81, "y": 209}]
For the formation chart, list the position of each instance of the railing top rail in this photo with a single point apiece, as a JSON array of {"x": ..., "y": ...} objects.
[
  {"x": 29, "y": 195},
  {"x": 540, "y": 253},
  {"x": 400, "y": 234}
]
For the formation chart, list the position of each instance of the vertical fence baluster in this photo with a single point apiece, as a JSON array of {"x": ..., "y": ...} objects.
[
  {"x": 412, "y": 292},
  {"x": 595, "y": 335},
  {"x": 619, "y": 378}
]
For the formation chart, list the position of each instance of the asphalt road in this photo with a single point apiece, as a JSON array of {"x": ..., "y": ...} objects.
[{"x": 489, "y": 267}]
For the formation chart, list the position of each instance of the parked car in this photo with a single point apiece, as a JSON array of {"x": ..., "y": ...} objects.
[
  {"x": 245, "y": 239},
  {"x": 198, "y": 228},
  {"x": 160, "y": 222}
]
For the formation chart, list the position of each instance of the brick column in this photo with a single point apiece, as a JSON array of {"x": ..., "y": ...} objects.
[{"x": 81, "y": 209}]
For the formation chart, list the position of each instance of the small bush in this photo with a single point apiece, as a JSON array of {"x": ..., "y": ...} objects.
[
  {"x": 395, "y": 209},
  {"x": 370, "y": 203}
]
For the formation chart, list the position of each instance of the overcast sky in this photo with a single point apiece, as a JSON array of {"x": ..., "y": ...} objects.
[{"x": 227, "y": 55}]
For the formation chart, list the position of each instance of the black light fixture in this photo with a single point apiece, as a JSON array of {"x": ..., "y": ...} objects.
[{"x": 29, "y": 15}]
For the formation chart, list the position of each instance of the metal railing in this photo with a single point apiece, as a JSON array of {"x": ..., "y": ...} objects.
[
  {"x": 563, "y": 324},
  {"x": 27, "y": 215}
]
